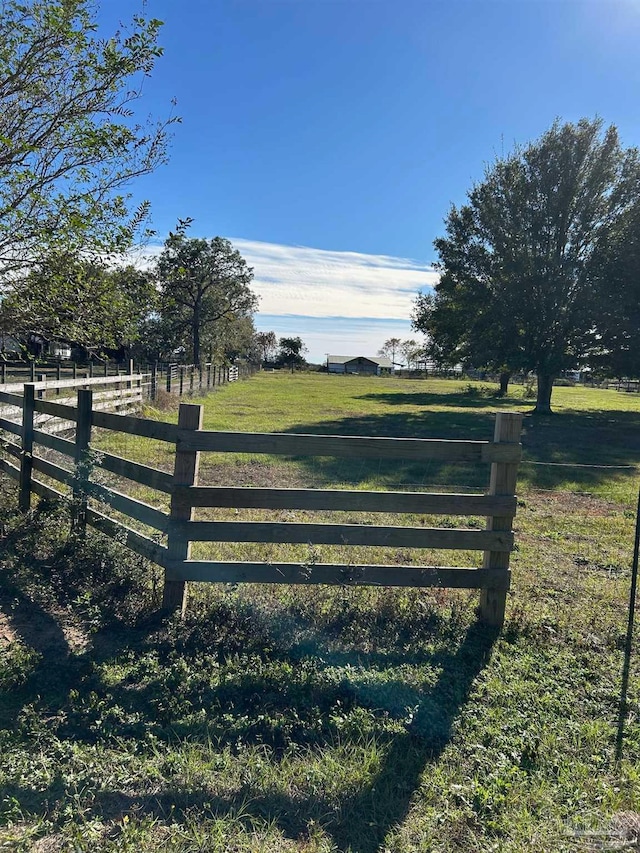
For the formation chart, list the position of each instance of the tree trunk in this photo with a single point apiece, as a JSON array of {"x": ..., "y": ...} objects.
[
  {"x": 505, "y": 376},
  {"x": 543, "y": 400},
  {"x": 196, "y": 338}
]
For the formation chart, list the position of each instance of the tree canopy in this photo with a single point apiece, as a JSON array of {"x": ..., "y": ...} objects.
[
  {"x": 267, "y": 345},
  {"x": 291, "y": 352},
  {"x": 70, "y": 139},
  {"x": 617, "y": 278},
  {"x": 204, "y": 288},
  {"x": 80, "y": 301},
  {"x": 521, "y": 264},
  {"x": 389, "y": 348}
]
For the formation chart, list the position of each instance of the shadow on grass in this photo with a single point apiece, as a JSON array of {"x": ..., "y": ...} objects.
[
  {"x": 255, "y": 705},
  {"x": 568, "y": 440},
  {"x": 475, "y": 400}
]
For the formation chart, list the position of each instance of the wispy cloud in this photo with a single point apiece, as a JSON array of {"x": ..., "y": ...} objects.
[
  {"x": 321, "y": 283},
  {"x": 338, "y": 302}
]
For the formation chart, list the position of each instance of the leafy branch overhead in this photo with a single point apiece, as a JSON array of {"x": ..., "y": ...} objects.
[{"x": 70, "y": 141}]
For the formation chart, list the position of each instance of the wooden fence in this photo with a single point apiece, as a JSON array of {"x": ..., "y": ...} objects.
[
  {"x": 498, "y": 505},
  {"x": 122, "y": 393},
  {"x": 184, "y": 379},
  {"x": 180, "y": 379}
]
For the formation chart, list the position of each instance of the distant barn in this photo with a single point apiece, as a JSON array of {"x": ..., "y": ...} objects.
[{"x": 370, "y": 365}]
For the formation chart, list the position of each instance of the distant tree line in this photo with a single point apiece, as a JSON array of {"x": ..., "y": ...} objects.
[
  {"x": 194, "y": 303},
  {"x": 540, "y": 268}
]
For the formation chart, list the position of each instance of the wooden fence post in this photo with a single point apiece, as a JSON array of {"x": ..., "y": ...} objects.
[
  {"x": 504, "y": 476},
  {"x": 81, "y": 478},
  {"x": 26, "y": 457},
  {"x": 181, "y": 379},
  {"x": 42, "y": 393},
  {"x": 185, "y": 473},
  {"x": 3, "y": 373},
  {"x": 154, "y": 380},
  {"x": 168, "y": 386}
]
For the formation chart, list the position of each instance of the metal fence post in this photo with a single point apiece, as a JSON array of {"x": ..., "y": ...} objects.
[{"x": 154, "y": 380}]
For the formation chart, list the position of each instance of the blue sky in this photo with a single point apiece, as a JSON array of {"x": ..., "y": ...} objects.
[{"x": 347, "y": 127}]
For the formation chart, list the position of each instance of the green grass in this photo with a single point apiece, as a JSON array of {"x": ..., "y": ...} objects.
[{"x": 324, "y": 719}]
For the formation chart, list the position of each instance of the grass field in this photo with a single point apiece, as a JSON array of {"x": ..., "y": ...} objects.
[{"x": 329, "y": 719}]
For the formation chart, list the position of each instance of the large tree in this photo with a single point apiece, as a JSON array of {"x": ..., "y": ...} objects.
[
  {"x": 202, "y": 284},
  {"x": 267, "y": 344},
  {"x": 617, "y": 280},
  {"x": 291, "y": 352},
  {"x": 518, "y": 286},
  {"x": 389, "y": 348},
  {"x": 461, "y": 326},
  {"x": 70, "y": 141}
]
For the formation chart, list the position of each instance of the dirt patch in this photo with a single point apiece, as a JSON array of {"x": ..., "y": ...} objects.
[
  {"x": 564, "y": 503},
  {"x": 7, "y": 632},
  {"x": 254, "y": 472},
  {"x": 52, "y": 633}
]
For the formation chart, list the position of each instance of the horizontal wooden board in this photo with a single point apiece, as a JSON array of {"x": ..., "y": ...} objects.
[
  {"x": 348, "y": 500},
  {"x": 56, "y": 472},
  {"x": 118, "y": 393},
  {"x": 143, "y": 474},
  {"x": 131, "y": 507},
  {"x": 136, "y": 426},
  {"x": 343, "y": 534},
  {"x": 58, "y": 410},
  {"x": 134, "y": 540},
  {"x": 326, "y": 573},
  {"x": 291, "y": 444},
  {"x": 11, "y": 448},
  {"x": 10, "y": 426},
  {"x": 10, "y": 469},
  {"x": 54, "y": 442},
  {"x": 45, "y": 491},
  {"x": 12, "y": 399},
  {"x": 114, "y": 401},
  {"x": 88, "y": 382},
  {"x": 45, "y": 423}
]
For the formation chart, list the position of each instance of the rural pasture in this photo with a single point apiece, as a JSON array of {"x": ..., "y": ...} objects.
[{"x": 324, "y": 719}]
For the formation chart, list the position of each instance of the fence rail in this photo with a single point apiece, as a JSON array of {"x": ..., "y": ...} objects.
[
  {"x": 178, "y": 379},
  {"x": 181, "y": 528}
]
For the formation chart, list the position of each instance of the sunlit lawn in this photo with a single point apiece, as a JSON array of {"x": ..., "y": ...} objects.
[{"x": 326, "y": 719}]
